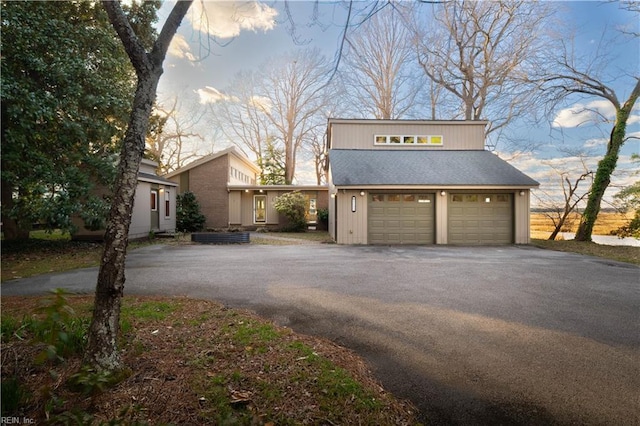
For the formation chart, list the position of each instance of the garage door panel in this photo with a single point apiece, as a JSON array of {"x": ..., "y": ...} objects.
[
  {"x": 401, "y": 219},
  {"x": 480, "y": 219}
]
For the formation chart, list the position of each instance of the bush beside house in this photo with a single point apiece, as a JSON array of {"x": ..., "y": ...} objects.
[{"x": 293, "y": 206}]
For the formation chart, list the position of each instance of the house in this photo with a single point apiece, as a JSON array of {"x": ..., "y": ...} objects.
[
  {"x": 422, "y": 182},
  {"x": 154, "y": 206},
  {"x": 226, "y": 185}
]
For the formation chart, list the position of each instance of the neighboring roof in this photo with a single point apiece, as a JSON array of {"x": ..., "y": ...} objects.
[
  {"x": 419, "y": 167},
  {"x": 149, "y": 177},
  {"x": 231, "y": 150}
]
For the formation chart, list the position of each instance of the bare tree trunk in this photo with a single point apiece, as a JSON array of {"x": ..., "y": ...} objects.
[
  {"x": 606, "y": 167},
  {"x": 102, "y": 351}
]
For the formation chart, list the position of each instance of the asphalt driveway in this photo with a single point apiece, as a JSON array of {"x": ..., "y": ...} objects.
[{"x": 486, "y": 335}]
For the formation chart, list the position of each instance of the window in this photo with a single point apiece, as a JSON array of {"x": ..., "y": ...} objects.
[
  {"x": 377, "y": 198},
  {"x": 424, "y": 199},
  {"x": 409, "y": 197},
  {"x": 471, "y": 198},
  {"x": 167, "y": 203},
  {"x": 393, "y": 198},
  {"x": 456, "y": 198},
  {"x": 154, "y": 200},
  {"x": 433, "y": 140},
  {"x": 502, "y": 198}
]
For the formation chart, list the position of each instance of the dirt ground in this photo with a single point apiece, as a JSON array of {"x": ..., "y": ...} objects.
[{"x": 201, "y": 364}]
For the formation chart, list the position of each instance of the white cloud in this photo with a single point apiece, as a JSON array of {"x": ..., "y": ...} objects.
[
  {"x": 225, "y": 19},
  {"x": 579, "y": 114},
  {"x": 179, "y": 48},
  {"x": 592, "y": 143},
  {"x": 211, "y": 95},
  {"x": 262, "y": 103}
]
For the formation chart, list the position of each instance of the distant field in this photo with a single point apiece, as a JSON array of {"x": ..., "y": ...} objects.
[{"x": 542, "y": 226}]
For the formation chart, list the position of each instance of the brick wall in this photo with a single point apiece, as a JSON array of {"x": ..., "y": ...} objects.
[{"x": 209, "y": 184}]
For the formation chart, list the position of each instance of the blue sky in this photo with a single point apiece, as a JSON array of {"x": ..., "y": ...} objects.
[{"x": 198, "y": 67}]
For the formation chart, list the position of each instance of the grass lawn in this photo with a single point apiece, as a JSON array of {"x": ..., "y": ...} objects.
[{"x": 620, "y": 253}]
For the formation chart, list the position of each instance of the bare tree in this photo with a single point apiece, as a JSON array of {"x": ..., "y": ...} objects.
[
  {"x": 376, "y": 67},
  {"x": 168, "y": 146},
  {"x": 481, "y": 53},
  {"x": 239, "y": 112},
  {"x": 559, "y": 213},
  {"x": 295, "y": 86},
  {"x": 569, "y": 75},
  {"x": 102, "y": 350}
]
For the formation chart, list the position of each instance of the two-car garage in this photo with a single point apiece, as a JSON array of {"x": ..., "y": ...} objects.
[{"x": 410, "y": 218}]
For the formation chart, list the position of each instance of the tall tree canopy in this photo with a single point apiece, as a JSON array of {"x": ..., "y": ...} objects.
[
  {"x": 65, "y": 103},
  {"x": 277, "y": 108},
  {"x": 480, "y": 53},
  {"x": 378, "y": 68}
]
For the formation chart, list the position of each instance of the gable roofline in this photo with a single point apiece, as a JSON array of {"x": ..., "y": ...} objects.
[
  {"x": 232, "y": 150},
  {"x": 336, "y": 120}
]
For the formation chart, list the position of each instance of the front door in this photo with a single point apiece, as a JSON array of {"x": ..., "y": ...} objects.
[
  {"x": 260, "y": 209},
  {"x": 155, "y": 211}
]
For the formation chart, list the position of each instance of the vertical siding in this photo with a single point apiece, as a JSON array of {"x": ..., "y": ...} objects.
[
  {"x": 442, "y": 215},
  {"x": 183, "y": 182},
  {"x": 272, "y": 214},
  {"x": 456, "y": 136},
  {"x": 352, "y": 227},
  {"x": 246, "y": 203},
  {"x": 332, "y": 218},
  {"x": 235, "y": 208},
  {"x": 167, "y": 222},
  {"x": 141, "y": 215},
  {"x": 522, "y": 231}
]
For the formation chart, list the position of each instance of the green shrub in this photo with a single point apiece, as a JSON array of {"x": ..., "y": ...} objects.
[
  {"x": 188, "y": 216},
  {"x": 292, "y": 205}
]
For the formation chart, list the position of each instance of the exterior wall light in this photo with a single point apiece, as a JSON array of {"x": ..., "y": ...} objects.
[
  {"x": 443, "y": 193},
  {"x": 353, "y": 204},
  {"x": 362, "y": 193},
  {"x": 521, "y": 193}
]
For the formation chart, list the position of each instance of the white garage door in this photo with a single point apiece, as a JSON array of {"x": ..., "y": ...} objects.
[
  {"x": 401, "y": 219},
  {"x": 480, "y": 219}
]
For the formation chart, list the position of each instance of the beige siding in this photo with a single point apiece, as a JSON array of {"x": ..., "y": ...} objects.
[
  {"x": 247, "y": 208},
  {"x": 352, "y": 227},
  {"x": 235, "y": 208},
  {"x": 522, "y": 234},
  {"x": 241, "y": 173},
  {"x": 461, "y": 135},
  {"x": 441, "y": 217},
  {"x": 272, "y": 214},
  {"x": 141, "y": 215}
]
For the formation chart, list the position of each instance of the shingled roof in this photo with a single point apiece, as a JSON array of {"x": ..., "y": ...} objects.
[{"x": 423, "y": 167}]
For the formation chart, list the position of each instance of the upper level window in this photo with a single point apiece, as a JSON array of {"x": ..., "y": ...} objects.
[{"x": 433, "y": 140}]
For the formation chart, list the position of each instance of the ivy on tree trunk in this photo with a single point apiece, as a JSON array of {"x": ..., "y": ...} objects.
[
  {"x": 102, "y": 351},
  {"x": 606, "y": 167}
]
